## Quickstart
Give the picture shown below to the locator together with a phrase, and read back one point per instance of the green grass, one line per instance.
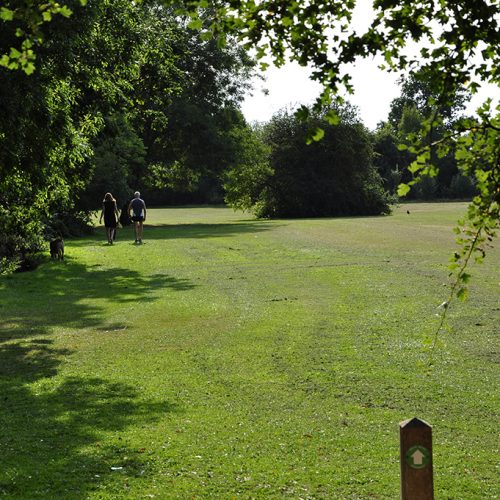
(234, 358)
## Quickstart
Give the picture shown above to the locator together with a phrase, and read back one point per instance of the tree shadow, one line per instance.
(50, 439)
(202, 230)
(54, 431)
(34, 302)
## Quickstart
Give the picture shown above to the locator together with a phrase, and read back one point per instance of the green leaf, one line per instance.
(414, 167)
(221, 41)
(462, 293)
(196, 24)
(403, 189)
(302, 113)
(206, 36)
(6, 14)
(332, 117)
(316, 134)
(29, 68)
(465, 278)
(65, 11)
(14, 53)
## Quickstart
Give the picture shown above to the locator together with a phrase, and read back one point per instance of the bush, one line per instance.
(21, 236)
(332, 177)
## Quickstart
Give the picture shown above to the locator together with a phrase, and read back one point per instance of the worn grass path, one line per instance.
(234, 358)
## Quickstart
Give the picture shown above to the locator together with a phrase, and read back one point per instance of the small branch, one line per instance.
(446, 305)
(490, 125)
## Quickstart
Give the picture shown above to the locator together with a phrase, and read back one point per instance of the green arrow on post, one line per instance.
(418, 457)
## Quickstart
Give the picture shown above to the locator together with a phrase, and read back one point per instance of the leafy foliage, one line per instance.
(118, 153)
(395, 141)
(332, 175)
(53, 115)
(387, 158)
(187, 130)
(458, 46)
(246, 182)
(26, 20)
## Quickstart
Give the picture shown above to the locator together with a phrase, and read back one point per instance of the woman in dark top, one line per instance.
(110, 213)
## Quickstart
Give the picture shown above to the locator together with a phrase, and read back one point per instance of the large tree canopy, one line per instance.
(332, 177)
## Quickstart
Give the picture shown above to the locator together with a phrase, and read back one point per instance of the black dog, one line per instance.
(57, 249)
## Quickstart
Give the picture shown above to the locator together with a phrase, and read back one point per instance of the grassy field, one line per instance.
(229, 357)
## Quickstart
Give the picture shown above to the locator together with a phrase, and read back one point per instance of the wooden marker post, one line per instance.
(416, 460)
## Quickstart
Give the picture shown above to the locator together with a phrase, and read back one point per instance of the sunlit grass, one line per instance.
(231, 357)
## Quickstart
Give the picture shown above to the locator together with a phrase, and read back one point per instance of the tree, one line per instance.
(416, 92)
(332, 177)
(28, 21)
(118, 152)
(52, 116)
(406, 117)
(187, 132)
(246, 181)
(387, 158)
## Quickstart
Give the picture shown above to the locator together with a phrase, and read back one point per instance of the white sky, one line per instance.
(373, 89)
(290, 85)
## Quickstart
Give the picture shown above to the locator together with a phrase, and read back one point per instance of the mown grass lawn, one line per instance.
(229, 357)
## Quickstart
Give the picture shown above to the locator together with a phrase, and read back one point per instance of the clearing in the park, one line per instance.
(229, 357)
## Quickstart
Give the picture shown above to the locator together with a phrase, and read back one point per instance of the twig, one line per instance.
(446, 305)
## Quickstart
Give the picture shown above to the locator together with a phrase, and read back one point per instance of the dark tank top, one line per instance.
(109, 213)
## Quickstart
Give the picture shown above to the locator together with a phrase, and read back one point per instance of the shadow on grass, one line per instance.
(32, 303)
(60, 437)
(185, 230)
(194, 231)
(50, 439)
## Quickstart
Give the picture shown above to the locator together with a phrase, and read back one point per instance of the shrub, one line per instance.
(332, 177)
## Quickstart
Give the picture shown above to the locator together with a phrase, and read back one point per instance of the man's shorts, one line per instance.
(137, 218)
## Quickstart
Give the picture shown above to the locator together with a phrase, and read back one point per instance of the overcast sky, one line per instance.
(290, 86)
(374, 89)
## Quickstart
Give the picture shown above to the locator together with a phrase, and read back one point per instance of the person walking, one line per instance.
(124, 219)
(110, 213)
(138, 215)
